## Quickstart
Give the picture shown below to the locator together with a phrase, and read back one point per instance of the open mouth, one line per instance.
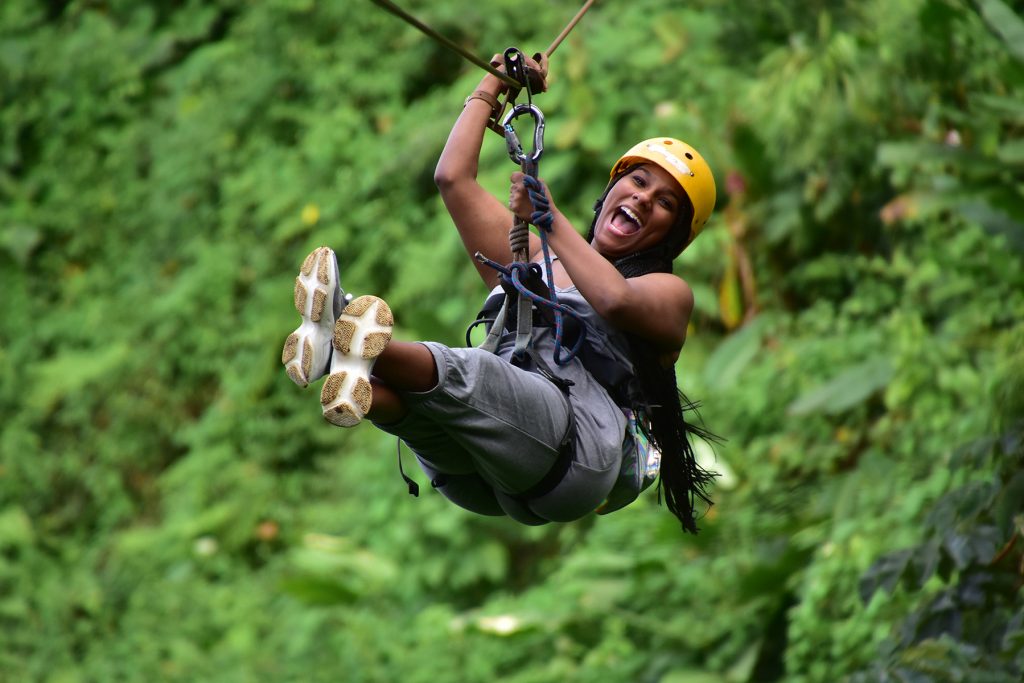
(625, 222)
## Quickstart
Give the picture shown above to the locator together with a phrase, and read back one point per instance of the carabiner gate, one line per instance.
(515, 148)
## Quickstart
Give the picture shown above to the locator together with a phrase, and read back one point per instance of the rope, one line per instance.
(541, 216)
(469, 56)
(565, 31)
(518, 271)
(519, 239)
(454, 47)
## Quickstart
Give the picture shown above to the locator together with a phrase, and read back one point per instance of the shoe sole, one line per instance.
(361, 334)
(307, 350)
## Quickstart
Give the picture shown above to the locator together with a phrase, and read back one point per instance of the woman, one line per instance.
(498, 437)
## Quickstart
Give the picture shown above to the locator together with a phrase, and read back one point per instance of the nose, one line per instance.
(642, 196)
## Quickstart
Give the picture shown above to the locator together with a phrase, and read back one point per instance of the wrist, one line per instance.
(557, 216)
(485, 96)
(492, 84)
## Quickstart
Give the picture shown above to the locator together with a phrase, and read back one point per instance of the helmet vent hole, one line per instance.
(689, 156)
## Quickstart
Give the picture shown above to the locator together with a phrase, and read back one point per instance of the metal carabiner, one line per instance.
(515, 148)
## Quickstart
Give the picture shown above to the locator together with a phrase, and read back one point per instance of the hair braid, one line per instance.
(682, 479)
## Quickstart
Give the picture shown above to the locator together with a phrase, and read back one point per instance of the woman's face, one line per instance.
(638, 212)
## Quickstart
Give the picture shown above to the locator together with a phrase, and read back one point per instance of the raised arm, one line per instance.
(482, 220)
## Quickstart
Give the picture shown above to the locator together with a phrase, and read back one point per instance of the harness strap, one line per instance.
(502, 319)
(440, 479)
(497, 328)
(414, 488)
(566, 449)
(524, 326)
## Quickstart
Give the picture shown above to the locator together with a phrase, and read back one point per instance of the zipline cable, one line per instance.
(465, 54)
(451, 45)
(568, 27)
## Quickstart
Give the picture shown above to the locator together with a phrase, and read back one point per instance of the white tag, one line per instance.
(671, 158)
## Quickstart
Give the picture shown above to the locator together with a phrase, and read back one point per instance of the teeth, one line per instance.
(630, 215)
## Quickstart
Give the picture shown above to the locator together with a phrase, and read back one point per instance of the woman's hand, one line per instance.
(519, 201)
(536, 70)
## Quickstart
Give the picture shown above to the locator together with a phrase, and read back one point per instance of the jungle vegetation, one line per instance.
(173, 508)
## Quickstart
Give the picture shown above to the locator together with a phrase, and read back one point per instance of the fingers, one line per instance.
(539, 61)
(518, 199)
(537, 72)
(536, 69)
(521, 200)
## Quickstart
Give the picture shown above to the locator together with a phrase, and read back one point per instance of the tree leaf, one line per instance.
(885, 573)
(15, 528)
(730, 301)
(315, 590)
(1005, 23)
(727, 362)
(851, 386)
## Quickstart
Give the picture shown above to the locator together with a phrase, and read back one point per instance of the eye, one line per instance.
(639, 180)
(667, 203)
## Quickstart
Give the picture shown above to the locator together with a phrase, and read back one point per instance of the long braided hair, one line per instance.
(682, 481)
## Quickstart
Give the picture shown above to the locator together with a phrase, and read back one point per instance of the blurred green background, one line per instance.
(172, 508)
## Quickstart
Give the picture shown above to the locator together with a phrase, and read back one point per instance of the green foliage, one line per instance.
(962, 578)
(173, 508)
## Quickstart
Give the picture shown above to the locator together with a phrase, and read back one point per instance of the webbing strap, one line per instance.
(414, 488)
(567, 447)
(497, 329)
(522, 281)
(524, 325)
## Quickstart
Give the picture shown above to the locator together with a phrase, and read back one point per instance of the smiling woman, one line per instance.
(675, 172)
(503, 433)
(639, 213)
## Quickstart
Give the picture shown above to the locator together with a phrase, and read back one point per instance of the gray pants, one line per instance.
(492, 429)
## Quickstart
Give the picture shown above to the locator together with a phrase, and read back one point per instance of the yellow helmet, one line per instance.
(684, 164)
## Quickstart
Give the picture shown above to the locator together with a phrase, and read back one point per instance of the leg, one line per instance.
(402, 366)
(362, 344)
(387, 405)
(347, 344)
(509, 421)
(468, 491)
(406, 366)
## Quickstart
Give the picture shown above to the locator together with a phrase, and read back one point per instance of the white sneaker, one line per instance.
(319, 300)
(362, 332)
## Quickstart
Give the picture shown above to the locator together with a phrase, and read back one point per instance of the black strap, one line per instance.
(439, 480)
(414, 488)
(542, 318)
(566, 449)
